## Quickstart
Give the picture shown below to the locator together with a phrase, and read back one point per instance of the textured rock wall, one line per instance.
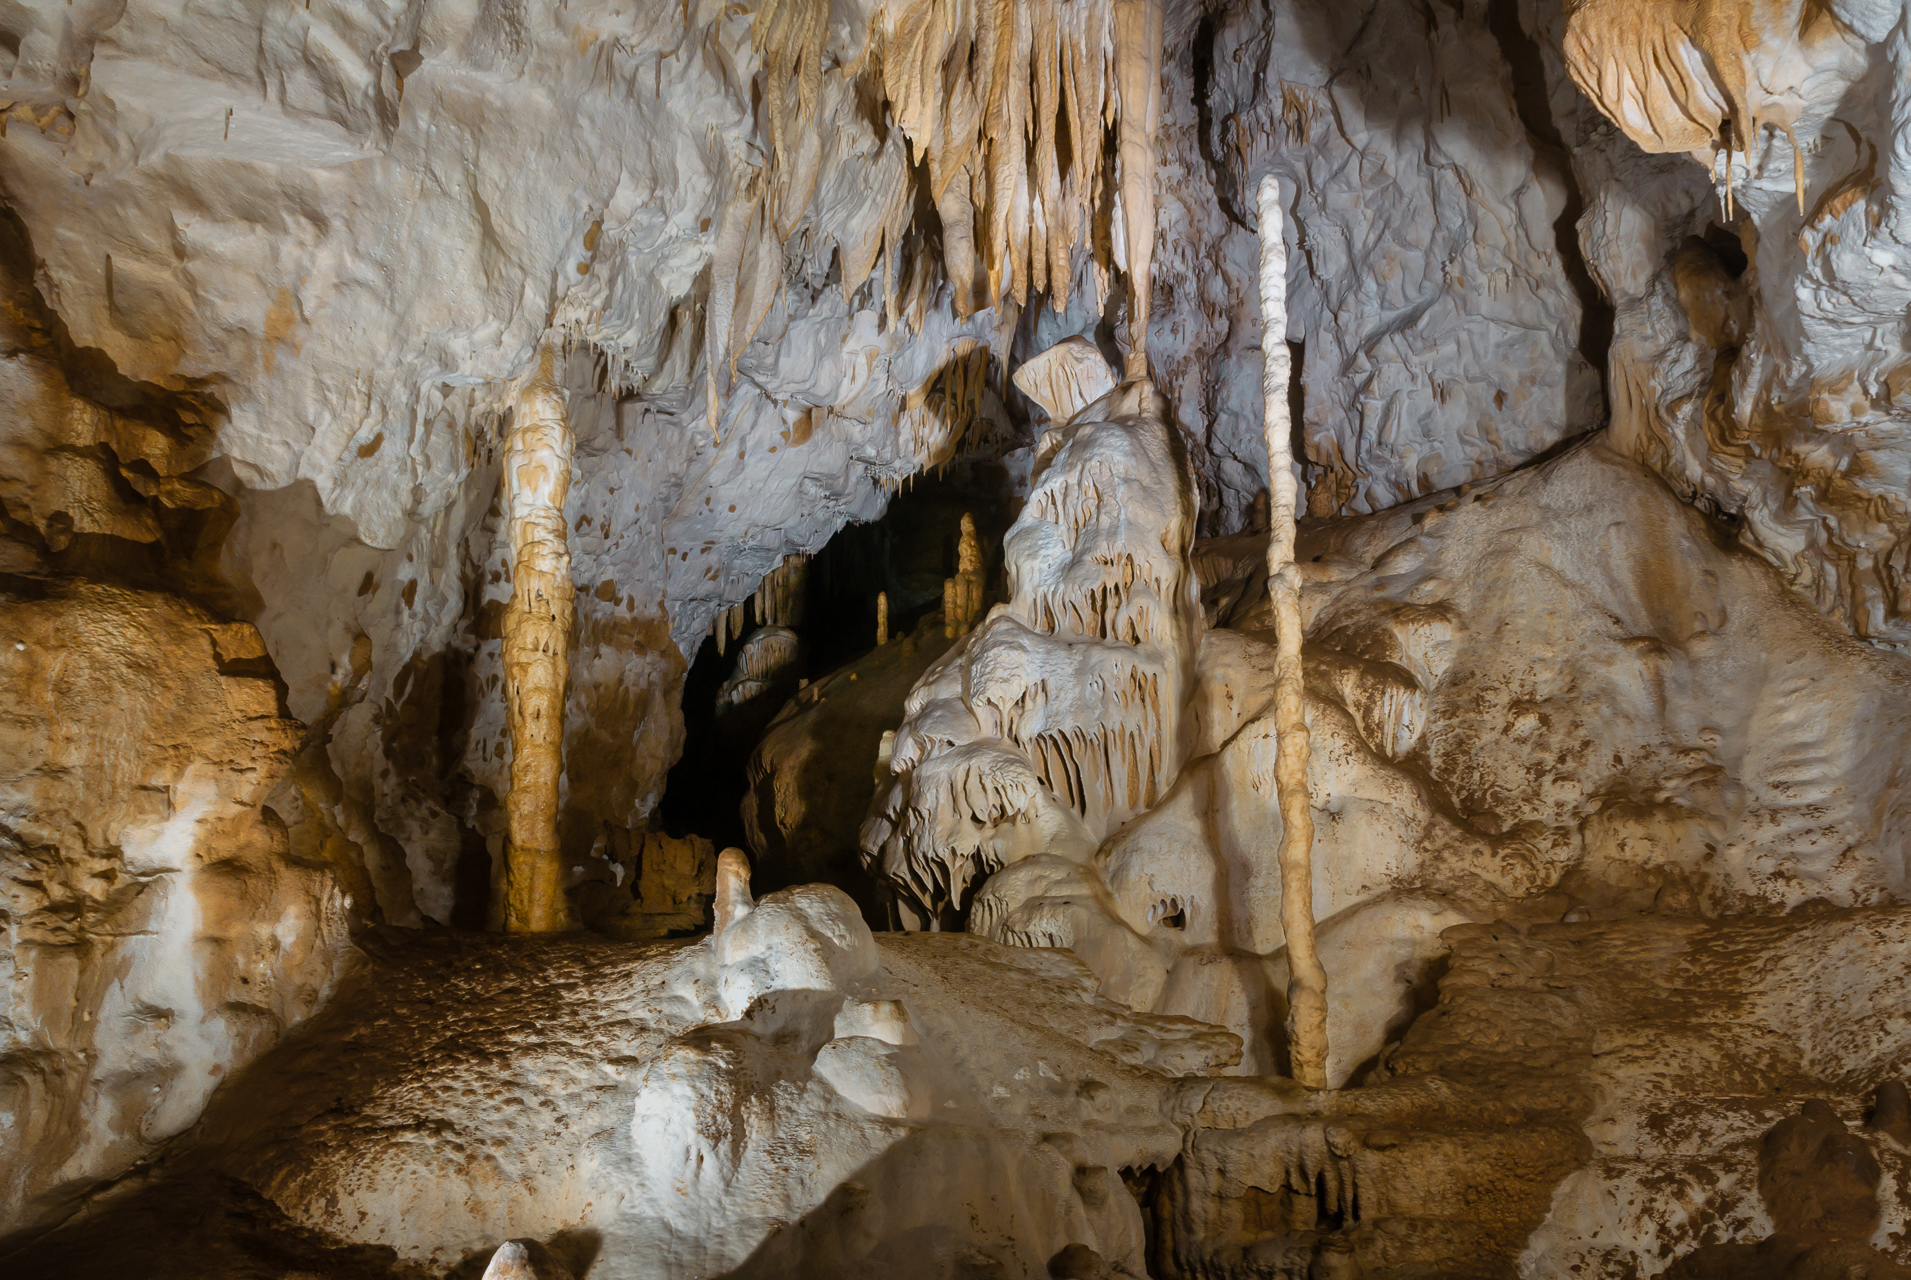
(1436, 305)
(1758, 351)
(346, 229)
(158, 926)
(177, 884)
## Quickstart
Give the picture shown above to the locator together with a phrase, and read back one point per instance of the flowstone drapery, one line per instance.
(1062, 715)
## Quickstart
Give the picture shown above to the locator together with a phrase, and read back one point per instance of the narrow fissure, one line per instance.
(1526, 66)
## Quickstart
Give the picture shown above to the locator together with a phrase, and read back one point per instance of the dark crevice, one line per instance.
(1224, 186)
(1530, 98)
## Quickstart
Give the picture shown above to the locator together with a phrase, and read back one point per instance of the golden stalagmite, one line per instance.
(962, 594)
(537, 639)
(733, 901)
(1138, 37)
(1307, 979)
(882, 618)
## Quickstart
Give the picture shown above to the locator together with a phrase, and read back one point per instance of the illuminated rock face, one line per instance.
(346, 234)
(1061, 716)
(1610, 828)
(1760, 285)
(786, 1094)
(169, 913)
(1557, 684)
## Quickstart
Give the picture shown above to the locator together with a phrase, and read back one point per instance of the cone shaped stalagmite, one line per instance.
(1307, 980)
(962, 595)
(537, 638)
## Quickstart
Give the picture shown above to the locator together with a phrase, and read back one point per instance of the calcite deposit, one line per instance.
(952, 641)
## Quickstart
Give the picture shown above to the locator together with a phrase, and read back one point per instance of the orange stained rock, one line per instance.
(537, 638)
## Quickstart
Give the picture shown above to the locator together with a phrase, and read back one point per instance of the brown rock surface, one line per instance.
(158, 931)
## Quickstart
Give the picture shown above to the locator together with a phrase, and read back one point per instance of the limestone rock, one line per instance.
(160, 931)
(814, 774)
(1060, 717)
(649, 1099)
(1066, 378)
(524, 1260)
(661, 887)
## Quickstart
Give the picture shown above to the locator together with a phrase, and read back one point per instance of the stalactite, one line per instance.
(780, 595)
(766, 659)
(986, 95)
(1307, 980)
(1138, 39)
(537, 638)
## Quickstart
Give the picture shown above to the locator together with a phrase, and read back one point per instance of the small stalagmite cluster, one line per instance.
(963, 595)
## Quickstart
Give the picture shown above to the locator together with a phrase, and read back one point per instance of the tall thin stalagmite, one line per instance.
(537, 637)
(1307, 980)
(1138, 37)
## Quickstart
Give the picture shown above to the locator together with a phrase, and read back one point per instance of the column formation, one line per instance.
(537, 639)
(1307, 980)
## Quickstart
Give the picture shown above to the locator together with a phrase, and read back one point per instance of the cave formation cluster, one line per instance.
(955, 639)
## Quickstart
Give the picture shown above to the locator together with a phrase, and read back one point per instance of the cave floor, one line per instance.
(1578, 1087)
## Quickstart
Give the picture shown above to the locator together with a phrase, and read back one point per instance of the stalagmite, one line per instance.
(882, 618)
(1138, 38)
(962, 594)
(733, 889)
(1307, 980)
(537, 637)
(1064, 713)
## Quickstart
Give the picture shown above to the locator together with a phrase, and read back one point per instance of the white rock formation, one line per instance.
(270, 277)
(355, 306)
(1760, 291)
(1560, 681)
(1061, 717)
(785, 1094)
(1066, 378)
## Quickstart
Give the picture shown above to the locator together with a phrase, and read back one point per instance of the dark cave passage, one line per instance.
(908, 554)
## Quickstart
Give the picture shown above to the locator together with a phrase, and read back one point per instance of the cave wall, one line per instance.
(278, 270)
(170, 909)
(346, 228)
(1437, 296)
(1758, 355)
(175, 891)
